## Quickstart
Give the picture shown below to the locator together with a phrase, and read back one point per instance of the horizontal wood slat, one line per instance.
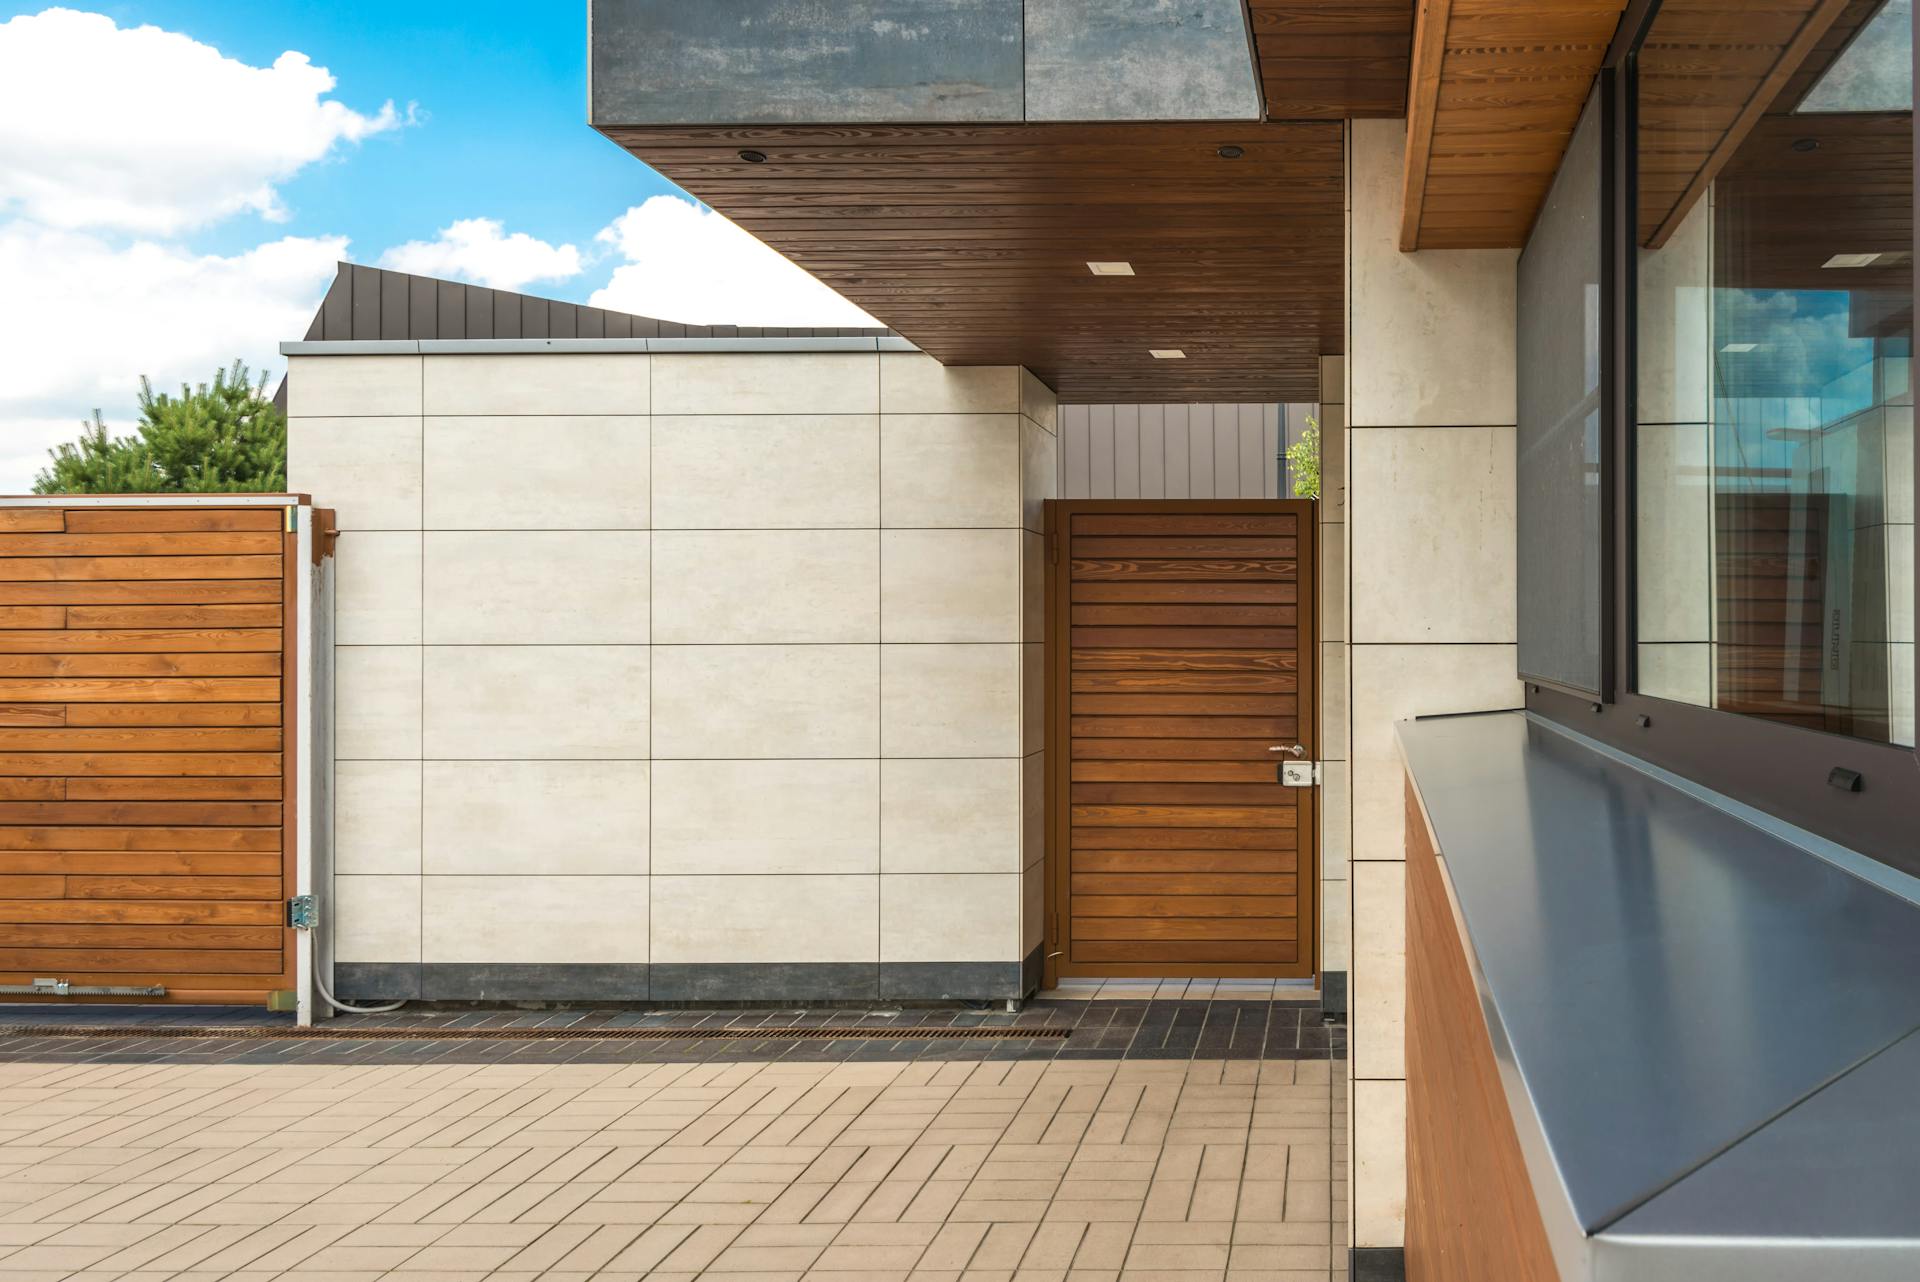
(143, 912)
(45, 641)
(65, 569)
(1186, 631)
(140, 665)
(192, 520)
(144, 863)
(115, 545)
(184, 689)
(140, 763)
(159, 592)
(143, 658)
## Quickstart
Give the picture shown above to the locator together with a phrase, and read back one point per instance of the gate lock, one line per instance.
(1297, 773)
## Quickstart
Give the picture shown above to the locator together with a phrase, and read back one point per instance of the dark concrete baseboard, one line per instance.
(1378, 1264)
(765, 981)
(1333, 992)
(501, 981)
(686, 982)
(376, 981)
(951, 981)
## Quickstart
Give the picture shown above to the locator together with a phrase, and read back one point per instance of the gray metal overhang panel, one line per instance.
(1667, 977)
(1830, 1190)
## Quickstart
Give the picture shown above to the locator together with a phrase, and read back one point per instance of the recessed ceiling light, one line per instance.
(1110, 269)
(1851, 260)
(753, 157)
(1231, 152)
(1166, 353)
(1739, 347)
(1806, 144)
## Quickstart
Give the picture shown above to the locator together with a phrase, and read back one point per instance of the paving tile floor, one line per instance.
(1055, 1170)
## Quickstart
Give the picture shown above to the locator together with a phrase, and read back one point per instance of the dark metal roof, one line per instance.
(372, 303)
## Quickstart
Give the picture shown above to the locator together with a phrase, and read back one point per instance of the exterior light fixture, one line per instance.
(1852, 260)
(1231, 152)
(1110, 269)
(1166, 353)
(753, 157)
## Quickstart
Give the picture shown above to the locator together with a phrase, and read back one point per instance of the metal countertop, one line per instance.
(1669, 988)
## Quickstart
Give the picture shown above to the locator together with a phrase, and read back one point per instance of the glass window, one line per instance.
(1558, 341)
(1774, 499)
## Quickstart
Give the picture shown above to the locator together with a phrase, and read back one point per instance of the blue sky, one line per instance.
(178, 179)
(500, 90)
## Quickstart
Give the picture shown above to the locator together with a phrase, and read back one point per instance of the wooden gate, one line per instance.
(146, 786)
(1181, 643)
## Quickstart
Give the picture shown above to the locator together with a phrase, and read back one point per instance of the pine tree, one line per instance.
(225, 437)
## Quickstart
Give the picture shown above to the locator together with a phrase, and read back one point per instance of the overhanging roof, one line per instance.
(974, 242)
(953, 166)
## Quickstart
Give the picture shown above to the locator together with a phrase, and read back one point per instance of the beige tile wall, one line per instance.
(1429, 538)
(685, 657)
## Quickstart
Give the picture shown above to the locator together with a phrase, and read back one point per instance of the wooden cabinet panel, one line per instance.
(1471, 1215)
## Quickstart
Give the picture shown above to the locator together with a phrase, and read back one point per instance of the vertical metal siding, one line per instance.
(1177, 451)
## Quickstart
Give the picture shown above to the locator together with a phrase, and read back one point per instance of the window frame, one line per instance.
(1774, 767)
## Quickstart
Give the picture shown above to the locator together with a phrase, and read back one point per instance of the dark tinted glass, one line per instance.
(1774, 442)
(1559, 426)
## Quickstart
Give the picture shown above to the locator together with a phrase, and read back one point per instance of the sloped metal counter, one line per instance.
(1704, 1028)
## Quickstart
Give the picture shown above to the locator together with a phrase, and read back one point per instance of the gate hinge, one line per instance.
(303, 912)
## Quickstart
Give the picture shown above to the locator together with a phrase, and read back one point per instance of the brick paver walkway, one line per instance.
(938, 1171)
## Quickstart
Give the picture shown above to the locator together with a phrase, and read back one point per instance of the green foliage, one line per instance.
(223, 437)
(1304, 456)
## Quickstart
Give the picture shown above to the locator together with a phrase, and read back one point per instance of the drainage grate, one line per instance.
(351, 1033)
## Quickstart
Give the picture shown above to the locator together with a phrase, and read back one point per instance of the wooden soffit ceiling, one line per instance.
(1333, 59)
(973, 241)
(1495, 91)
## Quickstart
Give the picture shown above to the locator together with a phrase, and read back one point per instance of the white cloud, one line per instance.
(24, 444)
(476, 249)
(688, 264)
(151, 131)
(85, 318)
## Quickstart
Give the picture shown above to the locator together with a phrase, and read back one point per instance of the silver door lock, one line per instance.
(1299, 774)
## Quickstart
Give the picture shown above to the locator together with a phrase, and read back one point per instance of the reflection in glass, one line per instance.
(1559, 423)
(1774, 495)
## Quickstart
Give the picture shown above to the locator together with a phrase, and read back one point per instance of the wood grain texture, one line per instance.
(1497, 89)
(1332, 58)
(143, 790)
(973, 241)
(1176, 849)
(1470, 1209)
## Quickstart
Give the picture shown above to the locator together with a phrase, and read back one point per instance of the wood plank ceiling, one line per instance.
(1332, 59)
(1496, 89)
(973, 241)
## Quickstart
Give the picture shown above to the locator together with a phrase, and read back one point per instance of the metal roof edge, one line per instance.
(584, 346)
